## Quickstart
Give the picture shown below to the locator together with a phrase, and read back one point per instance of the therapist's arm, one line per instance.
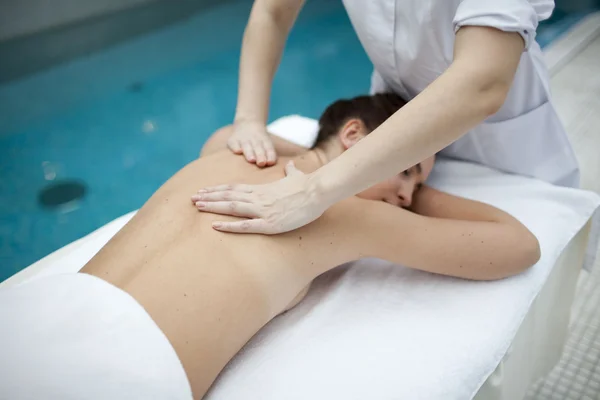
(471, 89)
(451, 236)
(264, 39)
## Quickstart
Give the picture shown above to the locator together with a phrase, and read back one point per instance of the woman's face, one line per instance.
(399, 190)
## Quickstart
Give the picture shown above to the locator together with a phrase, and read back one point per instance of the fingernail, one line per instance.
(216, 225)
(201, 191)
(200, 204)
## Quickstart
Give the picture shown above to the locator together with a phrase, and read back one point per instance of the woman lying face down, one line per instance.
(168, 301)
(345, 122)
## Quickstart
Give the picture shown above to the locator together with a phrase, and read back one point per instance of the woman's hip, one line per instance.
(73, 336)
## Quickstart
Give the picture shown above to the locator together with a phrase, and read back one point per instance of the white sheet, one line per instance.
(381, 331)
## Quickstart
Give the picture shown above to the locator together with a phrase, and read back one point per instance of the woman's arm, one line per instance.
(455, 236)
(431, 202)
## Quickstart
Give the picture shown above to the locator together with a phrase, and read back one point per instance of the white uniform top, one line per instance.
(411, 42)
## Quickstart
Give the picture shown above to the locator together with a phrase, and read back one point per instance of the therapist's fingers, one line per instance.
(248, 151)
(226, 195)
(290, 169)
(259, 151)
(227, 187)
(271, 154)
(235, 208)
(234, 145)
(246, 226)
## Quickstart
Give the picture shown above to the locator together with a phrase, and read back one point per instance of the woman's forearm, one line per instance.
(431, 202)
(473, 88)
(264, 39)
(456, 237)
(477, 250)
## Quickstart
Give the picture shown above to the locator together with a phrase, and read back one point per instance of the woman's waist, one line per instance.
(210, 309)
(251, 267)
(270, 267)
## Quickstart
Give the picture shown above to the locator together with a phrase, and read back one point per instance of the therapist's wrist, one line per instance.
(249, 118)
(321, 190)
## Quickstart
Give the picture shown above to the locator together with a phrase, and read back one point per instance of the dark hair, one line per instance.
(371, 110)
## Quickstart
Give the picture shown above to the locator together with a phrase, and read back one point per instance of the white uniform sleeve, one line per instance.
(378, 85)
(520, 16)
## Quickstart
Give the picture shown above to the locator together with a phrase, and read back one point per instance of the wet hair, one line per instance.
(372, 110)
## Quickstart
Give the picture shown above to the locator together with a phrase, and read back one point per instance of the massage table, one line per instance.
(370, 329)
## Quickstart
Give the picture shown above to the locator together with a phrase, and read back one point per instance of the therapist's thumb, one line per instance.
(290, 169)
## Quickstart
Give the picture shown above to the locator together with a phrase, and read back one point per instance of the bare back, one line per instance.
(208, 291)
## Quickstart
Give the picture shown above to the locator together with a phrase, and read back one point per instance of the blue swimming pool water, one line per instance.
(124, 120)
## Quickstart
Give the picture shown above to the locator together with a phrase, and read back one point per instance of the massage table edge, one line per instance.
(538, 343)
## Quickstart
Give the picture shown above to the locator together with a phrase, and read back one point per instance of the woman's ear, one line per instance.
(352, 131)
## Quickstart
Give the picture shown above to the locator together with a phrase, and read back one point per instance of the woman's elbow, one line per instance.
(529, 250)
(525, 253)
(521, 253)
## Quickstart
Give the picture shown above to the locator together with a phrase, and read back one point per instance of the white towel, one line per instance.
(296, 129)
(74, 336)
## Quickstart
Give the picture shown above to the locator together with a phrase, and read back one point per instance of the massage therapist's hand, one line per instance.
(251, 139)
(272, 208)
